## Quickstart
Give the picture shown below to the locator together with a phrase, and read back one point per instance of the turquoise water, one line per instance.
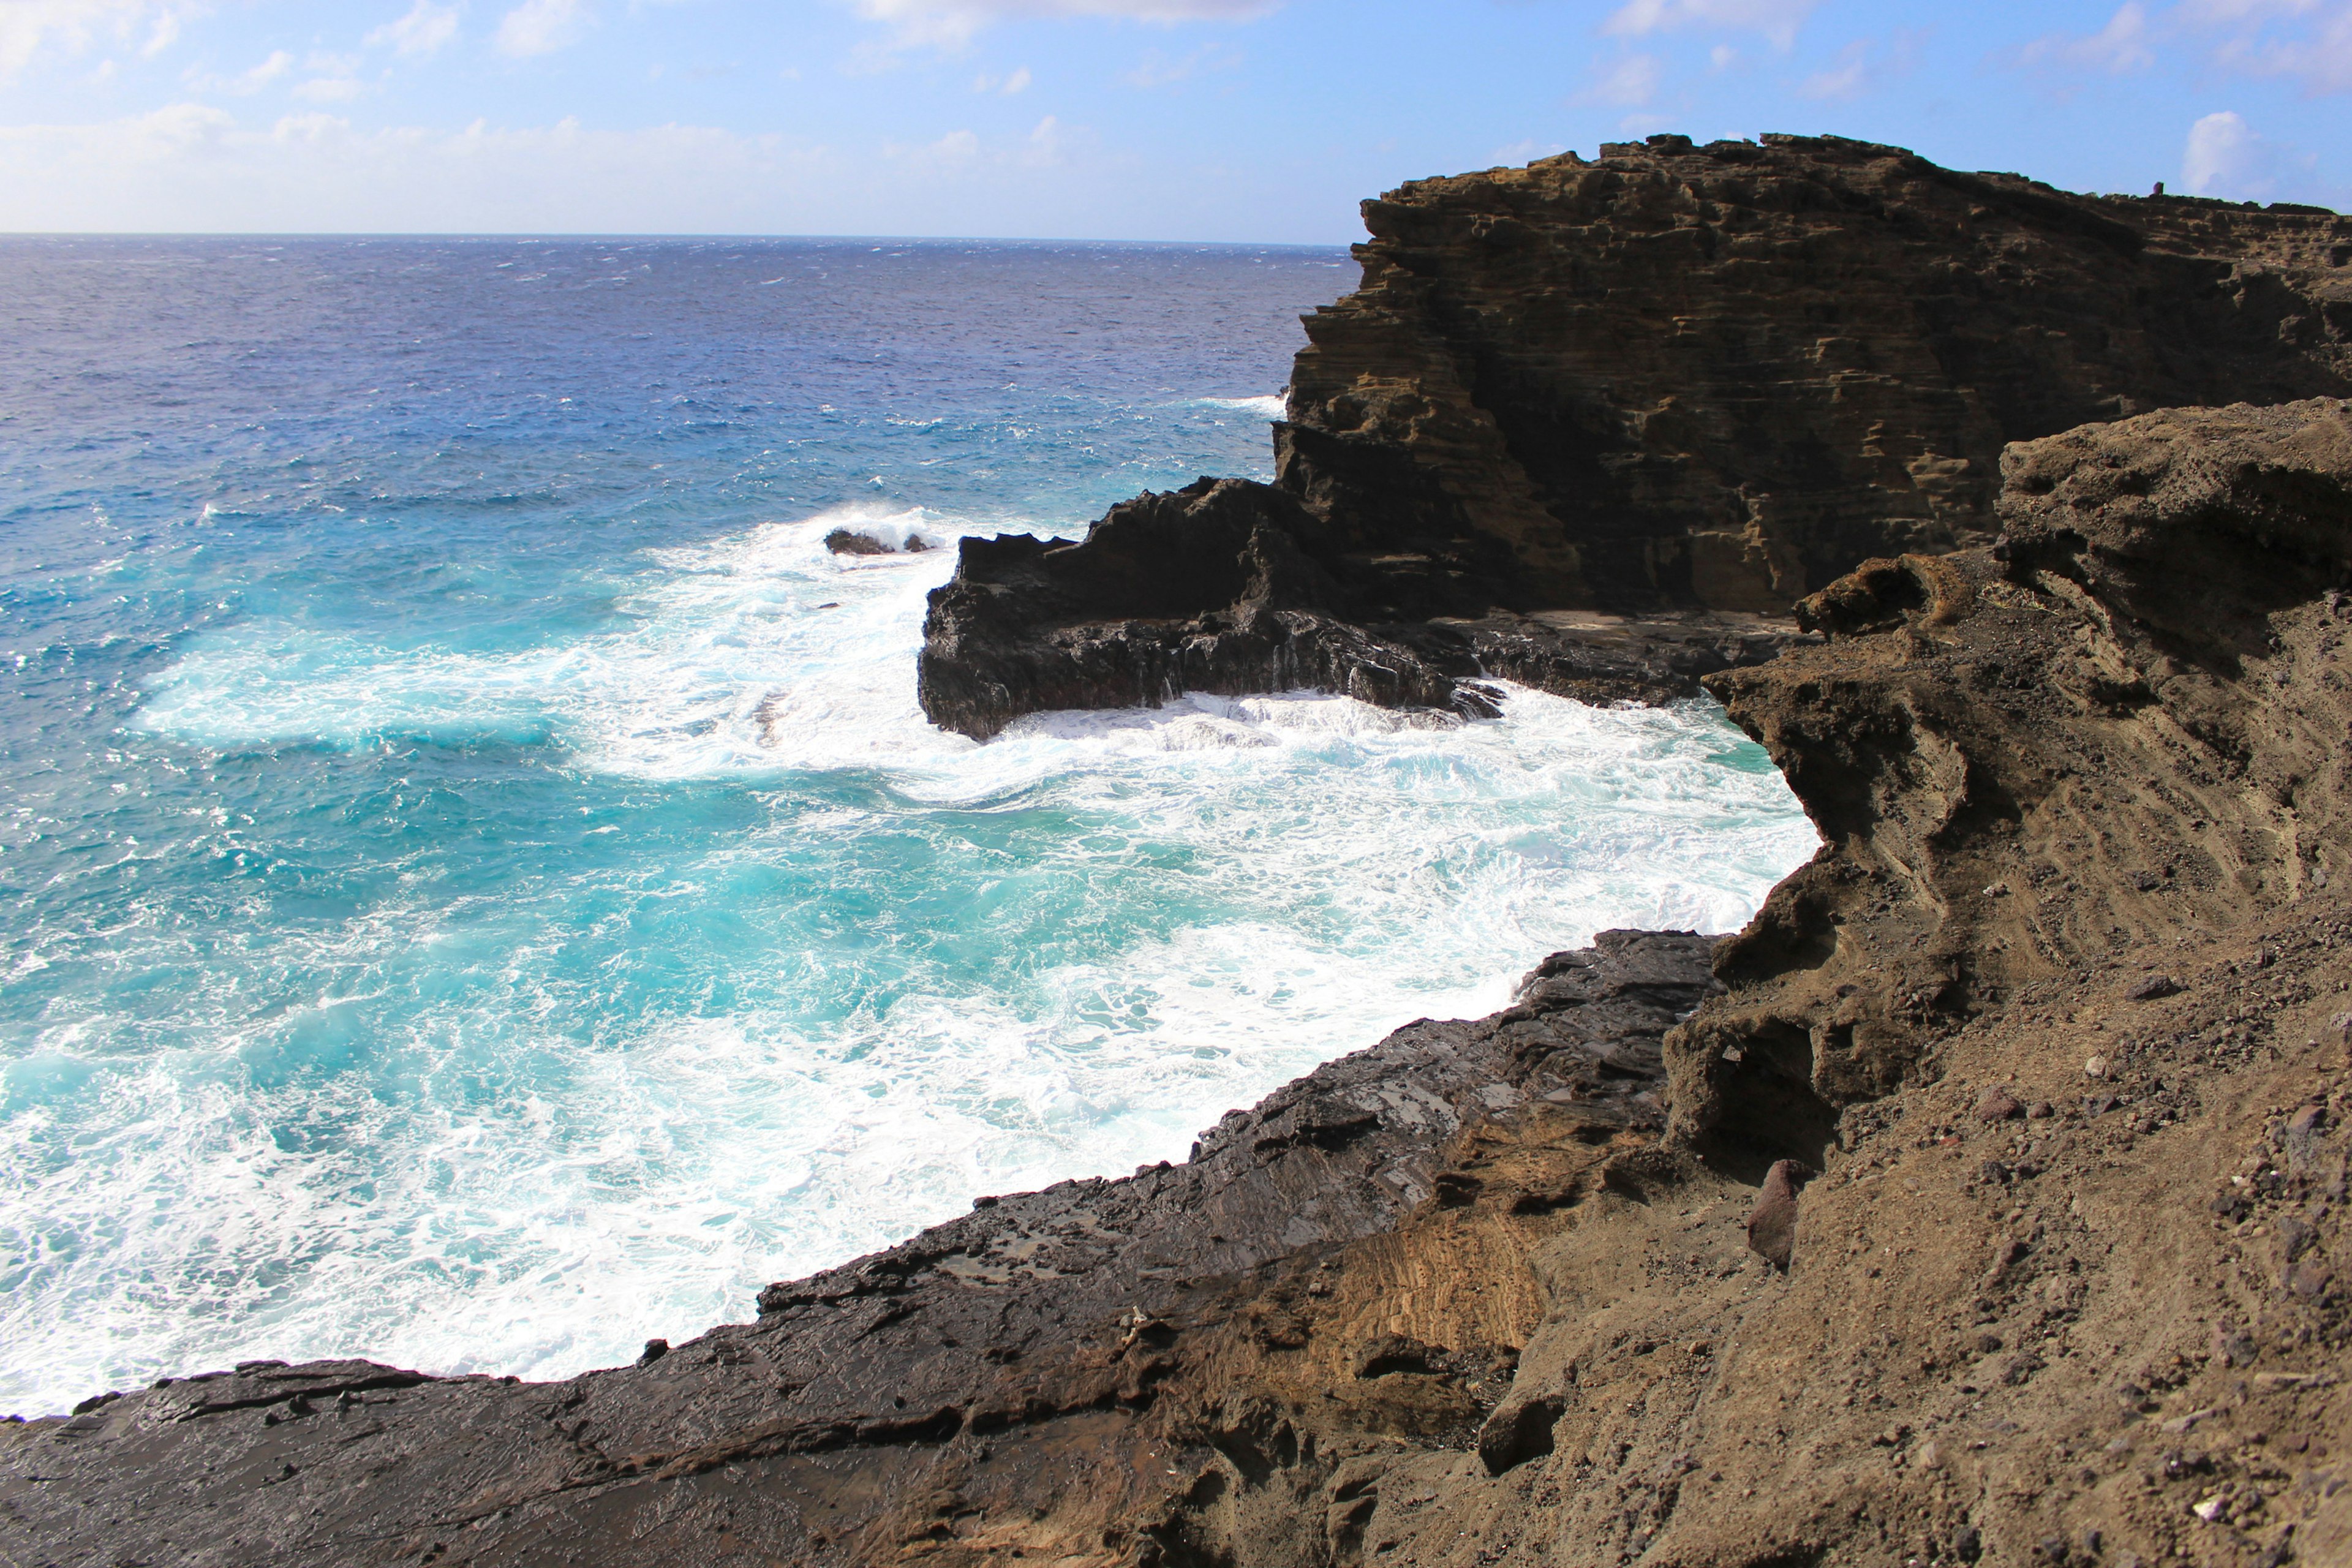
(485, 894)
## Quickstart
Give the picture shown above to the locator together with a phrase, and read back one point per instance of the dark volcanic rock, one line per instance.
(1724, 375)
(1228, 586)
(1695, 382)
(876, 1403)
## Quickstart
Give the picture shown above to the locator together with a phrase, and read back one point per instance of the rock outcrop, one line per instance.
(1073, 1375)
(1594, 427)
(1724, 375)
(1223, 587)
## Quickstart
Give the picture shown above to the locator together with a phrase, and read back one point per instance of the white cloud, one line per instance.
(2123, 45)
(1157, 69)
(194, 167)
(27, 27)
(1862, 66)
(1018, 82)
(245, 83)
(2256, 42)
(541, 26)
(1631, 83)
(1045, 149)
(950, 24)
(340, 88)
(1777, 20)
(2224, 158)
(421, 31)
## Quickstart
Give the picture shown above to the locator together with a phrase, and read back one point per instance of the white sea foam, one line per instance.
(1271, 407)
(485, 1142)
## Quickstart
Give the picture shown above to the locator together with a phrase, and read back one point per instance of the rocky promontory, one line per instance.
(1596, 427)
(1983, 1201)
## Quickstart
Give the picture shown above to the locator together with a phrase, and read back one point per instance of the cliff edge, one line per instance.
(1597, 426)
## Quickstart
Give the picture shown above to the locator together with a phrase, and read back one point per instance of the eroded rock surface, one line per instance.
(1070, 1372)
(1724, 375)
(1681, 381)
(1226, 586)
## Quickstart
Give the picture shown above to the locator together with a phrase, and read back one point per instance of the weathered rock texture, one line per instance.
(2062, 1016)
(1100, 1372)
(1724, 375)
(1695, 382)
(1226, 586)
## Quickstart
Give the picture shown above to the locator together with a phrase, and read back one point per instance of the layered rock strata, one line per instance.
(2061, 1014)
(1724, 375)
(1680, 382)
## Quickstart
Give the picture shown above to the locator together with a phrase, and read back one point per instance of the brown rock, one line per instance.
(1772, 1224)
(1724, 375)
(1997, 1104)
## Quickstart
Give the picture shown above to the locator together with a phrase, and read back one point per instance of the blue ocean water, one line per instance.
(481, 891)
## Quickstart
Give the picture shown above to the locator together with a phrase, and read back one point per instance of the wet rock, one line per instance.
(847, 541)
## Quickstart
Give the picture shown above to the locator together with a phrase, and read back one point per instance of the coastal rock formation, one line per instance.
(1596, 427)
(1068, 1373)
(2122, 725)
(1218, 587)
(2058, 1023)
(1724, 375)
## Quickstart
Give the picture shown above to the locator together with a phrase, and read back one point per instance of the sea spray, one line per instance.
(489, 894)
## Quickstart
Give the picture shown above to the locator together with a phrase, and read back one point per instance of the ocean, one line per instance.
(482, 892)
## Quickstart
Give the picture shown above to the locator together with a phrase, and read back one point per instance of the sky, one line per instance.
(1244, 121)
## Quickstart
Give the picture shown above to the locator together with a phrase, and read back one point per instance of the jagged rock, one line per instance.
(1227, 586)
(1724, 375)
(1108, 1314)
(1683, 386)
(2155, 628)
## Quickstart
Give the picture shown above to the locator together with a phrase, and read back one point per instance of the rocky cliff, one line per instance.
(1592, 426)
(1983, 1201)
(1985, 1205)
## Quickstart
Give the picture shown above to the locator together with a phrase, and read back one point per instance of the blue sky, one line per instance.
(1201, 120)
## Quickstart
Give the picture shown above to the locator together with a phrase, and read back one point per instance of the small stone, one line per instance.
(1997, 1104)
(2096, 1067)
(2209, 1509)
(2041, 1111)
(655, 1350)
(2156, 987)
(1772, 1225)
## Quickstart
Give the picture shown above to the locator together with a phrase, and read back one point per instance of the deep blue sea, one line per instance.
(481, 892)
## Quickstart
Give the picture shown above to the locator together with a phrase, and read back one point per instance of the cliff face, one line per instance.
(1724, 375)
(1682, 386)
